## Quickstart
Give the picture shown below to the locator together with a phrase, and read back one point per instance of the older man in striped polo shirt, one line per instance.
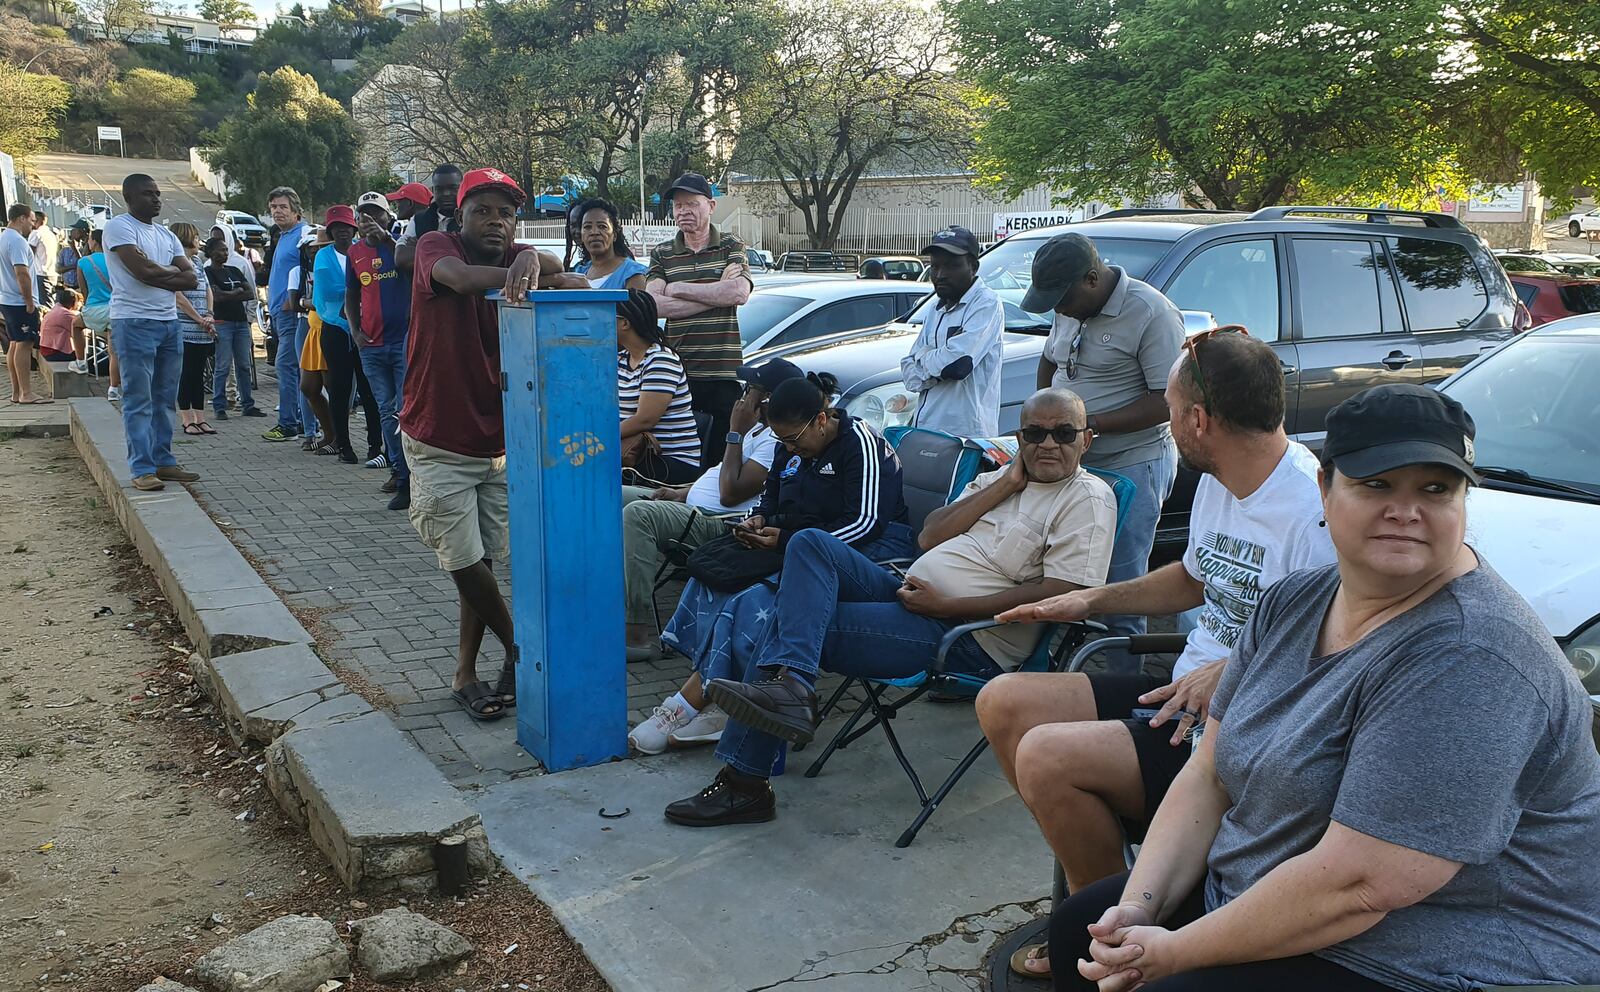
(699, 279)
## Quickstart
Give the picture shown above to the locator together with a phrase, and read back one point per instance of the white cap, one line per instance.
(370, 198)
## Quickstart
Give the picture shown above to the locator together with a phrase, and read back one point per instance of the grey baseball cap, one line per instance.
(1057, 267)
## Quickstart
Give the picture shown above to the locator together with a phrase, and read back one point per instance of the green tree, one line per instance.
(228, 13)
(156, 110)
(117, 20)
(290, 134)
(31, 107)
(1243, 101)
(850, 88)
(1533, 72)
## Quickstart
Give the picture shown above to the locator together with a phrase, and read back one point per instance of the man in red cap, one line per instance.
(440, 216)
(407, 201)
(451, 427)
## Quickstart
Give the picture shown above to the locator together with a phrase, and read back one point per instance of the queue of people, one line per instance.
(1370, 770)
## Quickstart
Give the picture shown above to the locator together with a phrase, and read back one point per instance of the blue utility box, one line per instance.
(558, 355)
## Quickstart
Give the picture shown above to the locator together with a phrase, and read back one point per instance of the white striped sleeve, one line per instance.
(867, 518)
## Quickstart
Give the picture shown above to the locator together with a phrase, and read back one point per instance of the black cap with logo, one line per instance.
(1059, 265)
(691, 182)
(770, 374)
(956, 240)
(1392, 426)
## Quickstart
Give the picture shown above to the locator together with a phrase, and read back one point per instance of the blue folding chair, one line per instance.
(1057, 644)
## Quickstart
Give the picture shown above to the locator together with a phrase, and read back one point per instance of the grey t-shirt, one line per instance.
(1456, 729)
(131, 298)
(1124, 352)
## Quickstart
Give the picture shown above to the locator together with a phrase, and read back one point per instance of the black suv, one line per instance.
(1348, 298)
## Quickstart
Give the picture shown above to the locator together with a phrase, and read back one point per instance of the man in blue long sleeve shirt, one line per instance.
(288, 323)
(956, 360)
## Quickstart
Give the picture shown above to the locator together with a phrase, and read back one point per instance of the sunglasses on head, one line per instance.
(1063, 435)
(1192, 346)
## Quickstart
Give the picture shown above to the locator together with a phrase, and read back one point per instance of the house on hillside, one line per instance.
(197, 35)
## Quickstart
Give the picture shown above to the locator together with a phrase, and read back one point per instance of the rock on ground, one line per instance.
(165, 985)
(398, 944)
(289, 954)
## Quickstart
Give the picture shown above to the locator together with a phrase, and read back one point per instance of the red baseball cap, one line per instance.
(340, 213)
(481, 179)
(415, 192)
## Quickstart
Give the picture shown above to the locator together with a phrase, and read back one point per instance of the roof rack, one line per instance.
(1155, 212)
(1373, 215)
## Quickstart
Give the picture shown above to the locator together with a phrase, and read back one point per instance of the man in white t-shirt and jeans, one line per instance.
(148, 268)
(1081, 760)
(650, 519)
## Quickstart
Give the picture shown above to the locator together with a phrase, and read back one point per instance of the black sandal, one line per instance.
(506, 685)
(480, 702)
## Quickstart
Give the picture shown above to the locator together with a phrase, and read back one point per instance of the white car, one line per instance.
(1582, 223)
(247, 226)
(97, 214)
(787, 313)
(1537, 514)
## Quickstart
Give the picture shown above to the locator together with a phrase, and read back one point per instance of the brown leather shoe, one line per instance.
(148, 483)
(177, 473)
(730, 798)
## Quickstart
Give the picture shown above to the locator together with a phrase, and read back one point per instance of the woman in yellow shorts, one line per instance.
(313, 367)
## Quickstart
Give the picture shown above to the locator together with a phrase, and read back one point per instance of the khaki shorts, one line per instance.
(459, 504)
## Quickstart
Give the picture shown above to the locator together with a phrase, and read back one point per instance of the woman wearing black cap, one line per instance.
(1397, 787)
(659, 439)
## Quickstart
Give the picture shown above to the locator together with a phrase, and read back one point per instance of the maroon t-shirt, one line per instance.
(452, 387)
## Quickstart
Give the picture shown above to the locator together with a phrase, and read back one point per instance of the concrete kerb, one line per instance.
(371, 801)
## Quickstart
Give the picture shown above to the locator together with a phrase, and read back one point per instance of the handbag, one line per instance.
(639, 448)
(725, 565)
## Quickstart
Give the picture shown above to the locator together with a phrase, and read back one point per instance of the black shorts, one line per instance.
(1115, 698)
(21, 326)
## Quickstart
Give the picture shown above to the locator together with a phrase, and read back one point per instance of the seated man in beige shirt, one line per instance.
(1039, 527)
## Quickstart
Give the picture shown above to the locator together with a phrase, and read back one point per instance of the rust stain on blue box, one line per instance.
(565, 475)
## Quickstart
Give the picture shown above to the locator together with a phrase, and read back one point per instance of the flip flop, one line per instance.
(477, 699)
(206, 428)
(506, 685)
(36, 401)
(193, 430)
(1035, 953)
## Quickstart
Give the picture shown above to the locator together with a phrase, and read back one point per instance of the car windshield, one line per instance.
(764, 311)
(1535, 406)
(1525, 263)
(1008, 270)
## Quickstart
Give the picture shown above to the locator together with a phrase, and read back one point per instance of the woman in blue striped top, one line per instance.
(659, 439)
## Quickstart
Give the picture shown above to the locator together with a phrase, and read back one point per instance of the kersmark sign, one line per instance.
(1008, 224)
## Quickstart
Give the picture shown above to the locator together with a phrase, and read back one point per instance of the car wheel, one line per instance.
(1574, 229)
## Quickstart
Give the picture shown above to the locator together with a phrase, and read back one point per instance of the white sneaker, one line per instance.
(113, 393)
(705, 728)
(650, 737)
(80, 367)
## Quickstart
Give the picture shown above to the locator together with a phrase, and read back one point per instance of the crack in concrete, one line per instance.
(959, 927)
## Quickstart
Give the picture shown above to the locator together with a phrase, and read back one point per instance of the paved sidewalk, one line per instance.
(320, 532)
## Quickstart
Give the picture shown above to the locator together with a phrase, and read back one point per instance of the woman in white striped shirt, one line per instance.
(659, 437)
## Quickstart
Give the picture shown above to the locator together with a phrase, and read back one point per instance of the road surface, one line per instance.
(98, 179)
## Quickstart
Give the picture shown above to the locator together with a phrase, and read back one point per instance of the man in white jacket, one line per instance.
(955, 362)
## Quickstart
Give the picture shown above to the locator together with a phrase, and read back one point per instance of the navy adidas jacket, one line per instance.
(851, 490)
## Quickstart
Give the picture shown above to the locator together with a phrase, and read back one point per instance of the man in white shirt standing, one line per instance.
(20, 302)
(148, 268)
(1071, 743)
(46, 246)
(955, 362)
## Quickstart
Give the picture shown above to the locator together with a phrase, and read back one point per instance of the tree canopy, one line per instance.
(291, 134)
(156, 111)
(31, 106)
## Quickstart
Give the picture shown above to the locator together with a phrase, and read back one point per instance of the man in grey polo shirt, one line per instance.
(1113, 342)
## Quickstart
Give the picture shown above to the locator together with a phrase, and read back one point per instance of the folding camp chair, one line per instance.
(934, 470)
(1056, 645)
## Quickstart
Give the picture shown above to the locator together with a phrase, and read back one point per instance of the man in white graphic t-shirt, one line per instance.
(1070, 743)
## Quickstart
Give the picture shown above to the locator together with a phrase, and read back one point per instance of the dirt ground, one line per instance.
(134, 835)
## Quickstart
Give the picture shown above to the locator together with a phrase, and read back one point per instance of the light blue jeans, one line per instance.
(150, 356)
(233, 351)
(385, 366)
(1130, 556)
(286, 327)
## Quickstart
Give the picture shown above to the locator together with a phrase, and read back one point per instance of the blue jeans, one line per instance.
(233, 351)
(150, 356)
(288, 327)
(837, 610)
(1130, 556)
(385, 366)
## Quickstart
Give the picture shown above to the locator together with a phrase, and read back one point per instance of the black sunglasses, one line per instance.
(1062, 435)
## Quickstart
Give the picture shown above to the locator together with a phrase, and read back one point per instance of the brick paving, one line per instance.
(321, 535)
